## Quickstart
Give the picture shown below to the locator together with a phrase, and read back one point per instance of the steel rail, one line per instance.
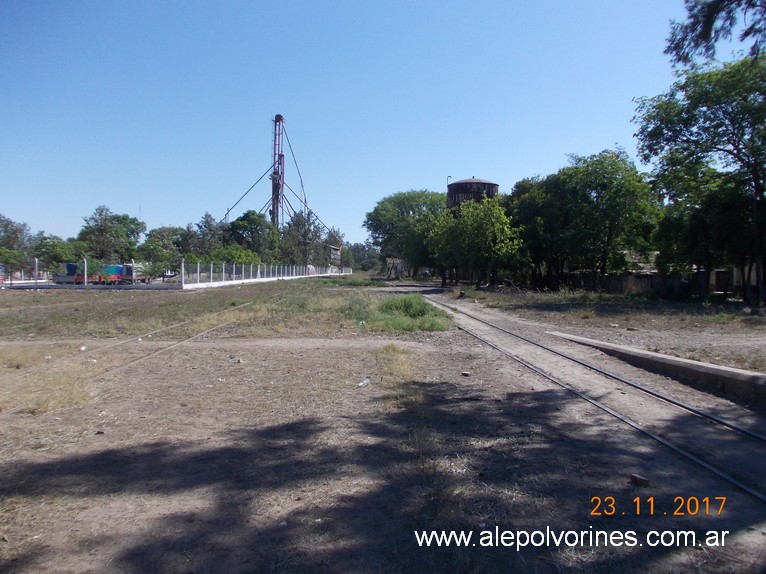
(686, 454)
(704, 414)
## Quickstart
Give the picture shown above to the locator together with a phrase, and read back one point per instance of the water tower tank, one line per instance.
(470, 189)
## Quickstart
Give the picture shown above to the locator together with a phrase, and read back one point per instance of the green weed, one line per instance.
(407, 314)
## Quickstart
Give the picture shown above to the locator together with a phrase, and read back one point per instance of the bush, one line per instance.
(407, 314)
(412, 306)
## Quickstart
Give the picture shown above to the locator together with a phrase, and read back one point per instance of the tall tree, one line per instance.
(14, 244)
(584, 217)
(162, 246)
(254, 232)
(399, 225)
(552, 216)
(364, 255)
(702, 222)
(14, 236)
(709, 21)
(717, 116)
(475, 236)
(52, 251)
(111, 237)
(301, 240)
(487, 238)
(209, 235)
(618, 207)
(444, 242)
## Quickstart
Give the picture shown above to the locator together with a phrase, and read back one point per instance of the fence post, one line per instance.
(183, 272)
(198, 275)
(35, 271)
(84, 272)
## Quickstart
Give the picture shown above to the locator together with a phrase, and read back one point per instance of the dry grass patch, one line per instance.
(39, 378)
(394, 363)
(44, 393)
(11, 514)
(22, 357)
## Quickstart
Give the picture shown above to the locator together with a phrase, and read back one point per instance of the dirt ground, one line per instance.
(233, 454)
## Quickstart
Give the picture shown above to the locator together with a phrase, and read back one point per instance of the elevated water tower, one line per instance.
(472, 189)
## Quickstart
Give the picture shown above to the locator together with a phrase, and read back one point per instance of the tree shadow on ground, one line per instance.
(445, 457)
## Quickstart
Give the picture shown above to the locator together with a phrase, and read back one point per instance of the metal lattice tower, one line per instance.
(278, 175)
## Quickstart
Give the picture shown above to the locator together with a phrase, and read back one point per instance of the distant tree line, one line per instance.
(107, 237)
(700, 208)
(587, 216)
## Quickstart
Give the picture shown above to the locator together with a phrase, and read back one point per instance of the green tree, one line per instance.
(584, 217)
(188, 242)
(715, 116)
(232, 253)
(301, 242)
(363, 255)
(209, 235)
(14, 236)
(111, 237)
(347, 257)
(488, 239)
(14, 244)
(254, 232)
(52, 251)
(552, 220)
(400, 223)
(11, 259)
(709, 21)
(162, 246)
(443, 242)
(618, 210)
(476, 236)
(696, 230)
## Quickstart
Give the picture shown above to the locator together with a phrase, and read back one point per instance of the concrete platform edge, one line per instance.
(747, 385)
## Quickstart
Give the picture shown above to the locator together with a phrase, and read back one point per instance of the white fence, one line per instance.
(204, 275)
(192, 276)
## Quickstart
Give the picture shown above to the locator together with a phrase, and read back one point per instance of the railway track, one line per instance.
(726, 448)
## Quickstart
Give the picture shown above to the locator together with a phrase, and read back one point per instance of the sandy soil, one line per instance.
(326, 455)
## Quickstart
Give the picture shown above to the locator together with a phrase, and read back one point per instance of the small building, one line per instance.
(470, 189)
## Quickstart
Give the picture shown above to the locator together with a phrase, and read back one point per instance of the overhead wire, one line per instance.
(304, 200)
(300, 177)
(271, 167)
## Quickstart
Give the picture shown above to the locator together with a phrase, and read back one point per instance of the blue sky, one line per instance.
(163, 110)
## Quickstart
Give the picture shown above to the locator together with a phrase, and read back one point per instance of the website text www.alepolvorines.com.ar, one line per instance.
(520, 539)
